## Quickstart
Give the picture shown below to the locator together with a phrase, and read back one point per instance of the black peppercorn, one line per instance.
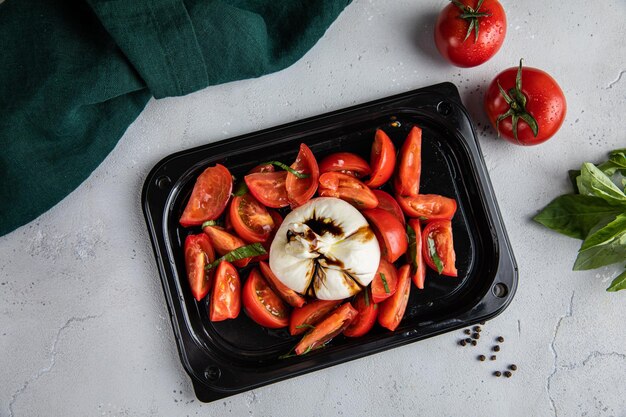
(462, 343)
(475, 336)
(496, 348)
(468, 340)
(482, 358)
(508, 374)
(493, 357)
(474, 343)
(482, 323)
(513, 367)
(467, 331)
(500, 339)
(497, 373)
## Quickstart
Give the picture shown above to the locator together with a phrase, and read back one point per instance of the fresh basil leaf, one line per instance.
(603, 247)
(594, 182)
(384, 280)
(305, 326)
(367, 297)
(287, 168)
(210, 223)
(619, 283)
(412, 247)
(432, 250)
(242, 252)
(574, 214)
(573, 177)
(241, 189)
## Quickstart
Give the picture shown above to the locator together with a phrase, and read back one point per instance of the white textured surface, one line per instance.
(84, 329)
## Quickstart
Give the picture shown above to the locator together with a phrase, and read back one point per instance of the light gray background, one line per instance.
(84, 329)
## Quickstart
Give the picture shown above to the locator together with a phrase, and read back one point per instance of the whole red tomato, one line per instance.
(525, 105)
(470, 32)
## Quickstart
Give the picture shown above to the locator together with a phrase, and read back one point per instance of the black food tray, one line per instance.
(233, 356)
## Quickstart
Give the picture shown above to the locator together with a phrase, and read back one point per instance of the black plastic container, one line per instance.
(233, 356)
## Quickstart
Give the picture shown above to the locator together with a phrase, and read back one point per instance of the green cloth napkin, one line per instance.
(75, 73)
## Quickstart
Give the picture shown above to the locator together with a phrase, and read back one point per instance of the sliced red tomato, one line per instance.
(392, 309)
(224, 242)
(428, 206)
(382, 160)
(325, 331)
(290, 296)
(300, 190)
(209, 196)
(198, 254)
(262, 168)
(250, 219)
(347, 188)
(407, 178)
(306, 317)
(278, 220)
(389, 233)
(269, 188)
(388, 203)
(226, 296)
(380, 291)
(368, 312)
(345, 162)
(262, 304)
(438, 247)
(416, 258)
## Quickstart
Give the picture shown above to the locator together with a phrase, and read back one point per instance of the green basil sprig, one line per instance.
(596, 214)
(243, 252)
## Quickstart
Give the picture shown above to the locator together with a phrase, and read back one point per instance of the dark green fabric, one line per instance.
(75, 73)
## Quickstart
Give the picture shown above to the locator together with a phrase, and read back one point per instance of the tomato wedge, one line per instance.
(428, 207)
(368, 312)
(392, 309)
(290, 296)
(250, 219)
(389, 232)
(269, 188)
(306, 317)
(380, 291)
(278, 220)
(407, 179)
(209, 196)
(388, 203)
(262, 304)
(300, 190)
(330, 327)
(262, 168)
(345, 162)
(347, 188)
(415, 255)
(438, 247)
(224, 242)
(226, 296)
(382, 160)
(198, 253)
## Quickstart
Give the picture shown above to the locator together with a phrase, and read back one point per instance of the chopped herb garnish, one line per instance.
(305, 326)
(287, 168)
(242, 252)
(210, 223)
(432, 250)
(412, 247)
(367, 297)
(241, 189)
(382, 277)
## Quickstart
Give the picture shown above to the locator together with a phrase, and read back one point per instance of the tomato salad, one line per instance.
(239, 222)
